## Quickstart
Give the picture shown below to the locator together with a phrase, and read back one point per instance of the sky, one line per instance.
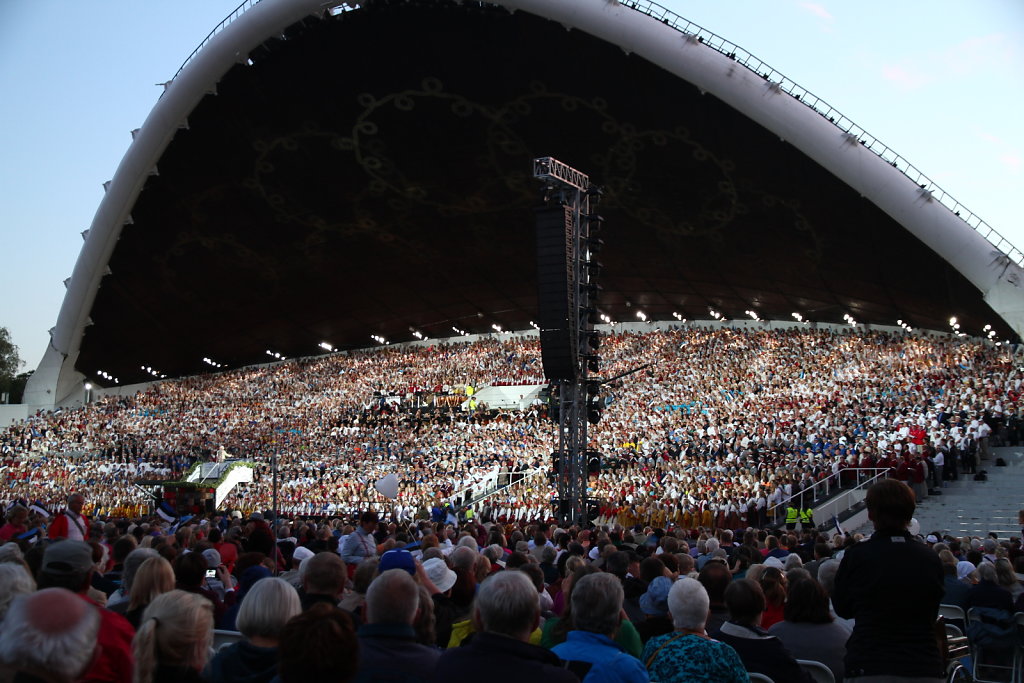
(939, 82)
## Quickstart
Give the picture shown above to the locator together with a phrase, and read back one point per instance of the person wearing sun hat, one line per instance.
(654, 605)
(437, 576)
(438, 572)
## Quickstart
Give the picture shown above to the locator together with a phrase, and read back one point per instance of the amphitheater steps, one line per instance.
(974, 508)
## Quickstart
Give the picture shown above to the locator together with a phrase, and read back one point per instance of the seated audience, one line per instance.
(270, 604)
(688, 655)
(809, 631)
(760, 651)
(174, 640)
(68, 564)
(155, 577)
(50, 636)
(388, 648)
(505, 614)
(589, 647)
(320, 645)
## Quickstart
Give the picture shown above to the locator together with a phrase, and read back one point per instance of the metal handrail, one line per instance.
(246, 4)
(827, 482)
(520, 478)
(820, 106)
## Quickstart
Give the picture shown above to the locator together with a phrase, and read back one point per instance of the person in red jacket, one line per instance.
(68, 564)
(71, 523)
(917, 438)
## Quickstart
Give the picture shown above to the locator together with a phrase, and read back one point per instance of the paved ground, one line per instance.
(974, 508)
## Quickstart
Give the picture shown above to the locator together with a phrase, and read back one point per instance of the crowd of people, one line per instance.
(295, 599)
(720, 429)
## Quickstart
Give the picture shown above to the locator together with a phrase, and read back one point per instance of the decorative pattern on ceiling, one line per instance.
(370, 175)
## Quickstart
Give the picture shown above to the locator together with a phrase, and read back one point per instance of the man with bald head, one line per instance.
(71, 523)
(388, 647)
(49, 635)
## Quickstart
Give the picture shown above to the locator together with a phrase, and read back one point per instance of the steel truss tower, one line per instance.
(569, 341)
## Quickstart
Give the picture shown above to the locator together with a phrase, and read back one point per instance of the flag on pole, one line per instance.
(31, 536)
(167, 512)
(39, 508)
(180, 521)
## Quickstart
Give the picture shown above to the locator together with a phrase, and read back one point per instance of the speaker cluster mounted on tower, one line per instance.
(568, 242)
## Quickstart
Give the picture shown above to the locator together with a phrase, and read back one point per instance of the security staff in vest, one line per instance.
(806, 519)
(792, 516)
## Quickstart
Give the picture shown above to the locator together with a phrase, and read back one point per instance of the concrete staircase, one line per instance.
(974, 508)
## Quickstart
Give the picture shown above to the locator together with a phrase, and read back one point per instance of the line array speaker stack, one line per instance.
(556, 292)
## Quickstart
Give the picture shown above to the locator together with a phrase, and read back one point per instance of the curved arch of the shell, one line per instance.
(997, 275)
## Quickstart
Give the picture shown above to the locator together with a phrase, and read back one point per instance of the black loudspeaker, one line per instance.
(556, 293)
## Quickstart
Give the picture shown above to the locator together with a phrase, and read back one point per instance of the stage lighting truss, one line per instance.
(555, 173)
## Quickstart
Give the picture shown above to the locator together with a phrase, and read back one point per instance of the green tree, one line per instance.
(10, 363)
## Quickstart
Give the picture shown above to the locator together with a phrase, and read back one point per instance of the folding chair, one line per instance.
(818, 671)
(995, 648)
(957, 650)
(954, 615)
(1018, 662)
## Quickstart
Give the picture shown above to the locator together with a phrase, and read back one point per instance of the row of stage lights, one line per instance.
(155, 373)
(990, 335)
(107, 376)
(641, 316)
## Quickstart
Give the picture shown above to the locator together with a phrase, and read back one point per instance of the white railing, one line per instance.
(515, 478)
(238, 474)
(768, 73)
(787, 85)
(824, 488)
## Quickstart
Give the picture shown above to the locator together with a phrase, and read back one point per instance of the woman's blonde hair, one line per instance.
(153, 577)
(268, 606)
(176, 629)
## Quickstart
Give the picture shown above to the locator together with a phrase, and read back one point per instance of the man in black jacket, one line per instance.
(891, 586)
(388, 648)
(505, 613)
